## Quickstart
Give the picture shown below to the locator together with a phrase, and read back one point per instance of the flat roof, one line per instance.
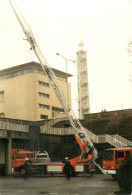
(30, 65)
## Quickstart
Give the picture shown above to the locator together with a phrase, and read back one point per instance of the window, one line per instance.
(57, 109)
(29, 155)
(43, 116)
(43, 83)
(119, 154)
(43, 106)
(40, 71)
(15, 74)
(2, 77)
(1, 92)
(8, 76)
(19, 156)
(1, 96)
(45, 95)
(2, 114)
(29, 70)
(128, 154)
(108, 155)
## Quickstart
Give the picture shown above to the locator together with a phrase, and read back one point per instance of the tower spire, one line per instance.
(82, 79)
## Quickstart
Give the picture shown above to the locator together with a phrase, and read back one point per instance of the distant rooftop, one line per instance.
(31, 65)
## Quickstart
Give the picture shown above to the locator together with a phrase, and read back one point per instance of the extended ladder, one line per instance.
(78, 129)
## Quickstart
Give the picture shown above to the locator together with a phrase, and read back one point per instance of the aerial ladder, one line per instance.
(78, 130)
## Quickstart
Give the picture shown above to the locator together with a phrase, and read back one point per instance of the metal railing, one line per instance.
(115, 140)
(14, 127)
(123, 140)
(56, 131)
(54, 121)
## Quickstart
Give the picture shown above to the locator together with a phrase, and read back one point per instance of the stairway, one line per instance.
(54, 121)
(115, 140)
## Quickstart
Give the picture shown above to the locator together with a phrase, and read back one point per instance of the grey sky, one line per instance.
(103, 25)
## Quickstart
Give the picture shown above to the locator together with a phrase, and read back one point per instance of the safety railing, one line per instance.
(56, 131)
(54, 121)
(123, 140)
(14, 127)
(113, 141)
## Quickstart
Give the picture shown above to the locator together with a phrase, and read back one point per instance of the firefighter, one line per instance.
(67, 168)
(26, 168)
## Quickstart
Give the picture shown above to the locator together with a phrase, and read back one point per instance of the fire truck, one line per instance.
(84, 162)
(113, 158)
(33, 158)
(80, 164)
(40, 163)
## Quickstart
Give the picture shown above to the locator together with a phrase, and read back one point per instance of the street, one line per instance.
(58, 185)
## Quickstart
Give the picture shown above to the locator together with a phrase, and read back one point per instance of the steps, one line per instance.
(115, 140)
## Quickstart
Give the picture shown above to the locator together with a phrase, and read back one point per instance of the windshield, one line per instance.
(20, 156)
(29, 155)
(108, 155)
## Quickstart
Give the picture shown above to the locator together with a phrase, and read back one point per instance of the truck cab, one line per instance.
(113, 158)
(18, 159)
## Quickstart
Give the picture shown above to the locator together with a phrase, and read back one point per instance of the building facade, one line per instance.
(82, 79)
(25, 93)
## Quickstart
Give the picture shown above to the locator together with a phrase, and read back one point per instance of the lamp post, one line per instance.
(66, 60)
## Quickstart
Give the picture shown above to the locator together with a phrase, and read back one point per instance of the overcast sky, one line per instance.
(105, 26)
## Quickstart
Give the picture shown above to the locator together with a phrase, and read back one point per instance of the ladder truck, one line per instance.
(79, 131)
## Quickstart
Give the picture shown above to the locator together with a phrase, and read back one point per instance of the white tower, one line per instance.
(82, 78)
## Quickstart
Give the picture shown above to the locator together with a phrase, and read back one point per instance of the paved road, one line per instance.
(96, 185)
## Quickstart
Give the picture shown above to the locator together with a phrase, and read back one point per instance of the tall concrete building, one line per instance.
(82, 79)
(25, 93)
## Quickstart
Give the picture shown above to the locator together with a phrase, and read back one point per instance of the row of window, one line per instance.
(45, 95)
(26, 71)
(42, 116)
(44, 106)
(18, 73)
(43, 83)
(1, 96)
(1, 92)
(2, 114)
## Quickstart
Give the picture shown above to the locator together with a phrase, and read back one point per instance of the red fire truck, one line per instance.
(40, 164)
(113, 158)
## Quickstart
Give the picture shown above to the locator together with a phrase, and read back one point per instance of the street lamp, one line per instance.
(66, 71)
